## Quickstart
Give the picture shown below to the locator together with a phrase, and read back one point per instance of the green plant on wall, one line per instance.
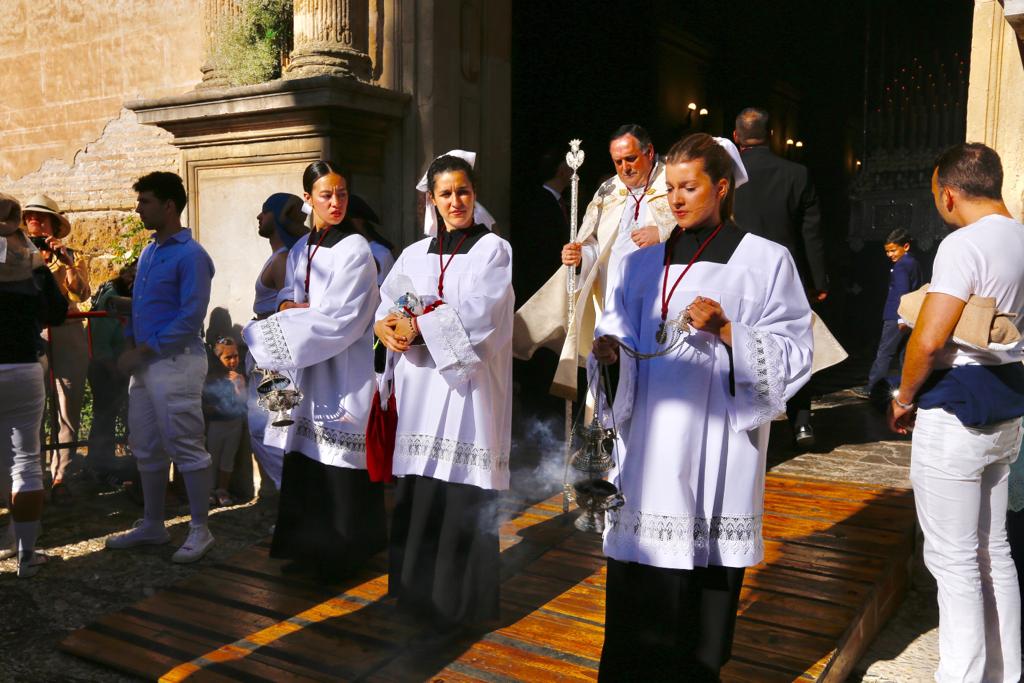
(249, 46)
(130, 241)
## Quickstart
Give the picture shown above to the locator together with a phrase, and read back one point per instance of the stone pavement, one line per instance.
(854, 445)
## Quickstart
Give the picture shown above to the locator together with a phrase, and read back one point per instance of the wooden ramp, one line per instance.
(837, 564)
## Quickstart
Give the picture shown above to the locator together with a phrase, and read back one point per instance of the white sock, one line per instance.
(154, 491)
(198, 484)
(26, 533)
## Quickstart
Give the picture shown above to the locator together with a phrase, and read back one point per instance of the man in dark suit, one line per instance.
(779, 203)
(540, 227)
(540, 222)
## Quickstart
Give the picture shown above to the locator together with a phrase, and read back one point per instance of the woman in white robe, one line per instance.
(331, 517)
(694, 422)
(454, 398)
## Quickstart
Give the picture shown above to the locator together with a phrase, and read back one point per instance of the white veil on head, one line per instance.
(739, 173)
(480, 214)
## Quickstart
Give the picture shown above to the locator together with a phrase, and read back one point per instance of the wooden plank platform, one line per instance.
(837, 564)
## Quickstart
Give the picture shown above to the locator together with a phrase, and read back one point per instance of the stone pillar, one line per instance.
(995, 96)
(215, 14)
(332, 37)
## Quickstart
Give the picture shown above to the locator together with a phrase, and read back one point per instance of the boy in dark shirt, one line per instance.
(904, 277)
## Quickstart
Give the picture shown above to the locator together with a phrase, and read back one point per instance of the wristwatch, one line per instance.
(897, 401)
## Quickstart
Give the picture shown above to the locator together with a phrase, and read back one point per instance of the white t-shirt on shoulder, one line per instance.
(985, 258)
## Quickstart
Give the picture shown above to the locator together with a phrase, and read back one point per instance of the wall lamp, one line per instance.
(694, 109)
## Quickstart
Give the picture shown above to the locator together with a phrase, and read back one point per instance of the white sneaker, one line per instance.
(141, 533)
(31, 567)
(8, 543)
(195, 546)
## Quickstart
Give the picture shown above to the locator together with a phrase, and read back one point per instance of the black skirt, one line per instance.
(668, 624)
(443, 561)
(331, 518)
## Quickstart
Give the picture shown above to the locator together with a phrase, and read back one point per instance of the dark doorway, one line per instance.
(871, 90)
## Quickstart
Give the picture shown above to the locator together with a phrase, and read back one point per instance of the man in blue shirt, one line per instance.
(904, 277)
(167, 364)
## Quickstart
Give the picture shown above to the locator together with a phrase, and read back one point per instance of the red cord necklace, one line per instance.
(661, 337)
(639, 198)
(441, 261)
(309, 256)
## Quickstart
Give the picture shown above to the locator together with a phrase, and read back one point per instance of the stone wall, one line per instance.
(67, 69)
(94, 189)
(995, 100)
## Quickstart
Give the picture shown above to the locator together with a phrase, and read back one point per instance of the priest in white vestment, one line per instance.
(694, 406)
(628, 212)
(453, 383)
(331, 517)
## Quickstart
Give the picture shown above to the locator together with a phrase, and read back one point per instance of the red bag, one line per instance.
(380, 439)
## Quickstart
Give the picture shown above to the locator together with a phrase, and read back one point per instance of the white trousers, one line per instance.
(22, 394)
(165, 414)
(959, 477)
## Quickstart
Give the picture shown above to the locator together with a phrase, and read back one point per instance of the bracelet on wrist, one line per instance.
(897, 401)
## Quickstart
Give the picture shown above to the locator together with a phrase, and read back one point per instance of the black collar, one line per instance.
(719, 250)
(335, 234)
(452, 238)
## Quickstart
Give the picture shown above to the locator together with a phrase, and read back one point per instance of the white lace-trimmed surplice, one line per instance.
(454, 392)
(326, 348)
(693, 461)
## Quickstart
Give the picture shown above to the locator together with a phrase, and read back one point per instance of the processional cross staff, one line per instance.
(670, 336)
(573, 159)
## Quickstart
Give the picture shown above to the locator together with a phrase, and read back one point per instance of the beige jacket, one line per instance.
(541, 321)
(981, 325)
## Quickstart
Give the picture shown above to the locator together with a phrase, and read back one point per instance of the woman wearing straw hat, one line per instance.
(67, 351)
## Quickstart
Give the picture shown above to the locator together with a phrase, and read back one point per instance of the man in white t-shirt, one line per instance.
(959, 473)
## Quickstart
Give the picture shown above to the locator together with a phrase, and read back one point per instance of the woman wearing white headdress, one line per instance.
(452, 366)
(331, 516)
(693, 413)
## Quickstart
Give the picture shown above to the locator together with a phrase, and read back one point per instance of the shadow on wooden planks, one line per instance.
(836, 564)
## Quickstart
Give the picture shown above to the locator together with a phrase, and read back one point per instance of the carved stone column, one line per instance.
(331, 37)
(216, 13)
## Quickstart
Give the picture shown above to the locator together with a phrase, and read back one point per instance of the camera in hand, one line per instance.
(43, 246)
